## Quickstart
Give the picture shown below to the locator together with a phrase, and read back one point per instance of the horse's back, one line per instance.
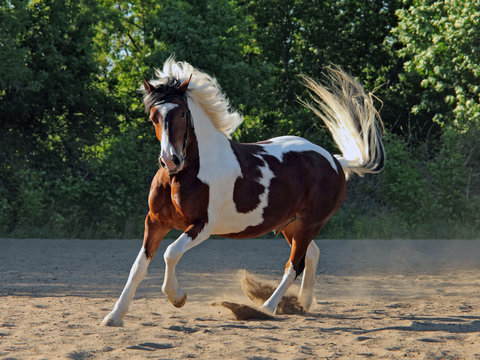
(282, 145)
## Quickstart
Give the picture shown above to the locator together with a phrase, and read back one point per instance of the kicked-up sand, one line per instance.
(375, 299)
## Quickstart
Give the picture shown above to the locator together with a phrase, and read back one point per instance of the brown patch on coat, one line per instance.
(304, 186)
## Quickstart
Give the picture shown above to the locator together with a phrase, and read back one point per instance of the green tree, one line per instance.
(51, 108)
(441, 53)
(442, 47)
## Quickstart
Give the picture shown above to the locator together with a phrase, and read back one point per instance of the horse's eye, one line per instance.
(182, 114)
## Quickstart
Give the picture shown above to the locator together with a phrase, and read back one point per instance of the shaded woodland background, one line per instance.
(77, 152)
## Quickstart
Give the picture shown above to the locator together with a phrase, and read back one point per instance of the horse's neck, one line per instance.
(204, 129)
(214, 149)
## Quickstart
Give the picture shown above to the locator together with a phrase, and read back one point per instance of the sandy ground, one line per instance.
(374, 300)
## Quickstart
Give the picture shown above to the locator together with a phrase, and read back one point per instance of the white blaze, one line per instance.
(166, 148)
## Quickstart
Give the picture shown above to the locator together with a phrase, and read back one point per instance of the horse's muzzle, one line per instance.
(172, 164)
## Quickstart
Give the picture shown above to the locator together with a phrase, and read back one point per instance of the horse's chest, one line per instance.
(190, 200)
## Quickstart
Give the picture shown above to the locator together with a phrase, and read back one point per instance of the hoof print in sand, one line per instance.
(244, 312)
(259, 293)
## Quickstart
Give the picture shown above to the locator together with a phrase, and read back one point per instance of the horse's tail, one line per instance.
(349, 114)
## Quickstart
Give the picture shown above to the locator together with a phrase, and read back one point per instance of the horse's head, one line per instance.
(166, 104)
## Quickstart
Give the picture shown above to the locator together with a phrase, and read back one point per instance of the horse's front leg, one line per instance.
(193, 235)
(154, 233)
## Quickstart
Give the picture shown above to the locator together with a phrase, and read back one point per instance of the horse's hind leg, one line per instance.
(154, 233)
(299, 235)
(308, 281)
(299, 238)
(270, 305)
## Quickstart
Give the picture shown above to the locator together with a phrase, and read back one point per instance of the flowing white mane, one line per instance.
(205, 91)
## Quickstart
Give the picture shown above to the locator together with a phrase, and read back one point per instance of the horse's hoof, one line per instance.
(179, 302)
(112, 322)
(179, 299)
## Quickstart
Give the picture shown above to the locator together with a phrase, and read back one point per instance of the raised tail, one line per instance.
(349, 114)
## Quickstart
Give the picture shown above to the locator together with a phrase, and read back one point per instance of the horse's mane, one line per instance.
(203, 90)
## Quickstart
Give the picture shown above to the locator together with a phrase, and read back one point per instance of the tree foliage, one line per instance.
(441, 48)
(441, 45)
(50, 104)
(77, 153)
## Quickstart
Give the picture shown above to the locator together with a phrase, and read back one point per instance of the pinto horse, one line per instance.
(208, 184)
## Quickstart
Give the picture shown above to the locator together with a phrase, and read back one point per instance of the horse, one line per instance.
(208, 184)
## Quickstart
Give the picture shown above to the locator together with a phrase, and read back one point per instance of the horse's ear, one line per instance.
(183, 87)
(147, 86)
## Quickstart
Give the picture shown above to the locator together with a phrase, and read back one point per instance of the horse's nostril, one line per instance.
(176, 160)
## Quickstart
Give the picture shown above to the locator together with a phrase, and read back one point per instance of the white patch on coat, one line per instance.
(280, 145)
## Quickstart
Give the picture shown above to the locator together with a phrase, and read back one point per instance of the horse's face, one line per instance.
(171, 119)
(171, 124)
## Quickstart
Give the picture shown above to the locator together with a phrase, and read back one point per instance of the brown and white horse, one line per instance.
(208, 184)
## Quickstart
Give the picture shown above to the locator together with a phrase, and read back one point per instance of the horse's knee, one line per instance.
(176, 250)
(173, 254)
(303, 254)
